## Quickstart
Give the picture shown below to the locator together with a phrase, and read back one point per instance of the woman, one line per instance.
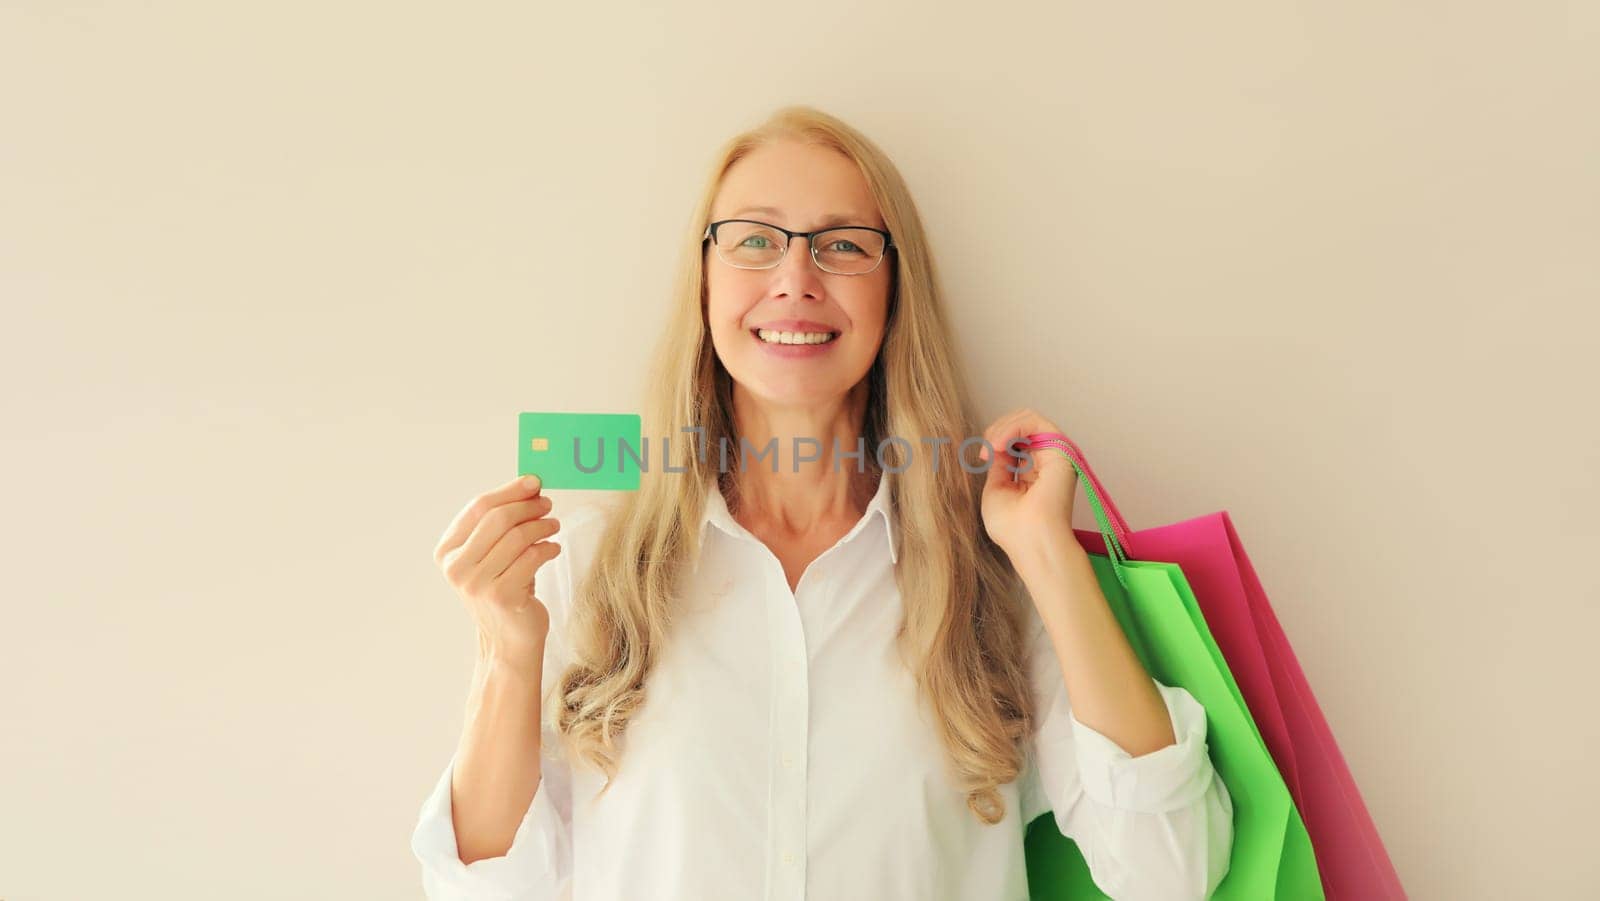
(827, 674)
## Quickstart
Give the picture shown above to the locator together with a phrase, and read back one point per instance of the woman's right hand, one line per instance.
(489, 555)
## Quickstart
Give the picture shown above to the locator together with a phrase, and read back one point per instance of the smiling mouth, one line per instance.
(771, 337)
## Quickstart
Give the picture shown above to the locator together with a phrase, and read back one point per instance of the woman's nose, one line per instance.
(798, 270)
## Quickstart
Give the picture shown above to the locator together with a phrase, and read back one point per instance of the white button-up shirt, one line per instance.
(782, 753)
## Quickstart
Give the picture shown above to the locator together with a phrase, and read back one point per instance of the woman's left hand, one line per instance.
(1035, 510)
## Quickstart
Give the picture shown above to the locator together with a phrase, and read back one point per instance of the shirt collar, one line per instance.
(880, 507)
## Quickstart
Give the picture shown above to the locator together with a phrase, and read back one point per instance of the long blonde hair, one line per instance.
(963, 632)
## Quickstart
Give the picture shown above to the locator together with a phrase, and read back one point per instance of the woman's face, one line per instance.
(801, 187)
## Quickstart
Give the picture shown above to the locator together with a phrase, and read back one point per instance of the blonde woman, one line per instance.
(818, 662)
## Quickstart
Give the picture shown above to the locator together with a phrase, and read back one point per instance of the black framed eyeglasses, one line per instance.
(841, 250)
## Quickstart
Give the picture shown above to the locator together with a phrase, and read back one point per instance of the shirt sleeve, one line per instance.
(538, 865)
(1157, 826)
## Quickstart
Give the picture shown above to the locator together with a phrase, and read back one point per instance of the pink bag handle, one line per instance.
(1099, 497)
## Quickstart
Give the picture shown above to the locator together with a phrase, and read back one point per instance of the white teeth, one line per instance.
(772, 337)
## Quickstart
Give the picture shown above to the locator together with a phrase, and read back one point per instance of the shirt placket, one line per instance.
(789, 725)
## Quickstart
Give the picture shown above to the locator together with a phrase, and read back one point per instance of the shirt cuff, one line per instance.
(532, 859)
(1161, 781)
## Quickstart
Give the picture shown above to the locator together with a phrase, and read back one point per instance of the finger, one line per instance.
(520, 488)
(1009, 461)
(999, 435)
(492, 527)
(514, 542)
(991, 434)
(1028, 424)
(522, 570)
(999, 476)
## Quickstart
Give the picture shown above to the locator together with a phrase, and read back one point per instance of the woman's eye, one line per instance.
(843, 246)
(746, 241)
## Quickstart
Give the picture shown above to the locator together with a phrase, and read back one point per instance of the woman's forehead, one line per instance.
(797, 186)
(781, 216)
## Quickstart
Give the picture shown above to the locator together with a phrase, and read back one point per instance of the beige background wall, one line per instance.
(277, 278)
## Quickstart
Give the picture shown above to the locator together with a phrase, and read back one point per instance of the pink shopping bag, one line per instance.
(1350, 855)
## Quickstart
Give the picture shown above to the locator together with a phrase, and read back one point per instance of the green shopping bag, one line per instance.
(1272, 856)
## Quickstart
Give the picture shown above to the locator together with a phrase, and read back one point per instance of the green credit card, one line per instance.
(588, 451)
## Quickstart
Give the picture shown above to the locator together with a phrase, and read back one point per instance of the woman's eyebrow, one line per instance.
(835, 219)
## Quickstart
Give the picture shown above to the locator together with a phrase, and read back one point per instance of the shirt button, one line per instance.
(788, 858)
(788, 760)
